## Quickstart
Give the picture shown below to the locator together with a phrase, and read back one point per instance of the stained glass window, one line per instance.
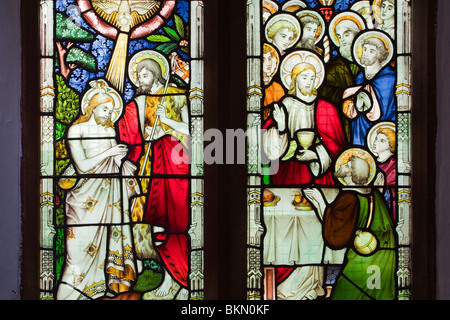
(329, 164)
(121, 179)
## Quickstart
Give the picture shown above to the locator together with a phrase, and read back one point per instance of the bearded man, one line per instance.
(148, 122)
(310, 26)
(372, 99)
(342, 70)
(356, 208)
(100, 260)
(301, 110)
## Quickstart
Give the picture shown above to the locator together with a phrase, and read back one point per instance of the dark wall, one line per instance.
(10, 146)
(443, 152)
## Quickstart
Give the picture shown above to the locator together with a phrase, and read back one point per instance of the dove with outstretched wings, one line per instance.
(125, 14)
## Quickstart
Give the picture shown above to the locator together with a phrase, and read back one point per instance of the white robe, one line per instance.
(99, 239)
(300, 116)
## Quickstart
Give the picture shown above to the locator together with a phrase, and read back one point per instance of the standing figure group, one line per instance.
(330, 123)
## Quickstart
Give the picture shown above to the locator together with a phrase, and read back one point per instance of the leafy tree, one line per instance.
(69, 56)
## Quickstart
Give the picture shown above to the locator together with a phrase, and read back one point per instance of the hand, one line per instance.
(119, 151)
(363, 101)
(379, 179)
(161, 112)
(313, 195)
(306, 155)
(148, 130)
(279, 117)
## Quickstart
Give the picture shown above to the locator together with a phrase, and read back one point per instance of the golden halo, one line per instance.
(357, 47)
(147, 54)
(298, 57)
(100, 86)
(362, 154)
(353, 16)
(286, 17)
(270, 5)
(293, 5)
(364, 5)
(320, 29)
(371, 135)
(376, 9)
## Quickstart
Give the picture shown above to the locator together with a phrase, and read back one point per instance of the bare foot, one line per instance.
(165, 287)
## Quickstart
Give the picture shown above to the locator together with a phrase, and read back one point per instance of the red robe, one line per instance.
(167, 198)
(292, 172)
(331, 133)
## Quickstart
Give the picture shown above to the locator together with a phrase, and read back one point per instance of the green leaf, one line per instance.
(172, 33)
(158, 38)
(60, 129)
(82, 58)
(179, 25)
(66, 29)
(167, 47)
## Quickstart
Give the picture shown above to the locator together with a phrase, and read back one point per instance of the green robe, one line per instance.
(358, 279)
(340, 75)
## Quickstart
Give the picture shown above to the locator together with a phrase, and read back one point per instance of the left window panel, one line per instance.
(121, 158)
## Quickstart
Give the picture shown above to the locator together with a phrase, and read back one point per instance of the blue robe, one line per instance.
(383, 85)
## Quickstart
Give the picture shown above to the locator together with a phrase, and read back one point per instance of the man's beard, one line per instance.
(367, 62)
(101, 121)
(346, 51)
(308, 92)
(144, 88)
(308, 43)
(342, 174)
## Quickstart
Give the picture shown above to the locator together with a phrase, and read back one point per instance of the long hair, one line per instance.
(153, 67)
(96, 100)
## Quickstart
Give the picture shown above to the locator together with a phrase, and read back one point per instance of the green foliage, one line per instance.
(68, 102)
(82, 58)
(180, 26)
(66, 29)
(147, 281)
(61, 165)
(158, 38)
(59, 264)
(167, 47)
(59, 219)
(60, 130)
(172, 33)
(172, 38)
(59, 241)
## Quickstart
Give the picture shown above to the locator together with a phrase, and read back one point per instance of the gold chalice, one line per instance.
(305, 138)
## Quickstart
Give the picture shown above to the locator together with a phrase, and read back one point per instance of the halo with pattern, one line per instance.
(101, 86)
(352, 16)
(320, 29)
(357, 46)
(147, 54)
(360, 153)
(373, 132)
(298, 57)
(289, 19)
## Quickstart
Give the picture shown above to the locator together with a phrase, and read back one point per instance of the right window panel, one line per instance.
(329, 167)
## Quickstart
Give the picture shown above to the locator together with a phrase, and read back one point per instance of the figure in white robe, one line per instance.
(100, 258)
